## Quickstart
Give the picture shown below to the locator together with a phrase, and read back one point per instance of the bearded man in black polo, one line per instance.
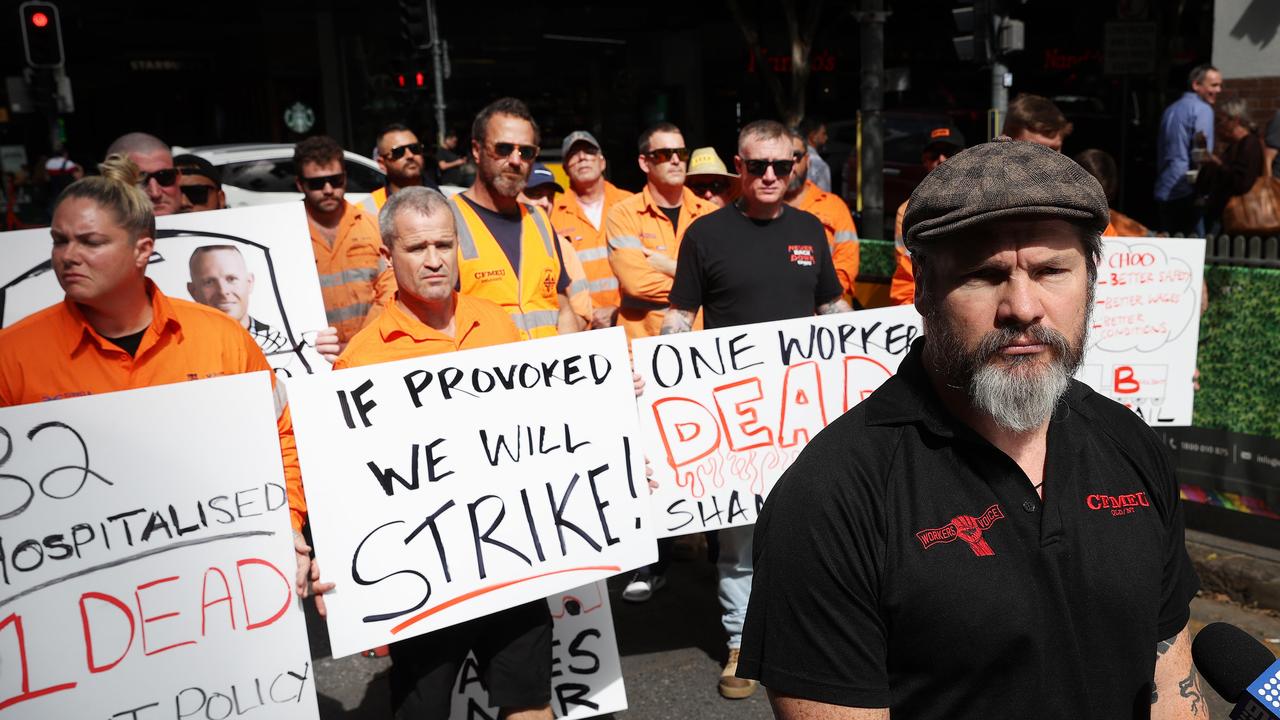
(983, 536)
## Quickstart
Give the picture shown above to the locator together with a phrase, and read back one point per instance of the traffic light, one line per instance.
(413, 23)
(971, 42)
(41, 34)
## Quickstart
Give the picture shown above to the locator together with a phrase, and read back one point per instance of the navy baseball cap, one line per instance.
(541, 175)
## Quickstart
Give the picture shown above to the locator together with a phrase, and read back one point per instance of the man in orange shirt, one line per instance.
(644, 231)
(427, 317)
(115, 330)
(837, 221)
(343, 237)
(943, 142)
(580, 213)
(401, 156)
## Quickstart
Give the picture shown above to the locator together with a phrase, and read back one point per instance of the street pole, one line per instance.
(871, 21)
(999, 96)
(437, 66)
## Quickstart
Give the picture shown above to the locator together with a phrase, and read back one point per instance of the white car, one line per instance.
(263, 174)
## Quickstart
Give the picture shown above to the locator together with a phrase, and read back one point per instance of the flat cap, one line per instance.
(999, 180)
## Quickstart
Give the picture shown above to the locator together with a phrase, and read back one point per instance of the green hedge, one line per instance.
(1239, 357)
(875, 258)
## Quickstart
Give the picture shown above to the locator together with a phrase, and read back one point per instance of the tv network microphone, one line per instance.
(1240, 669)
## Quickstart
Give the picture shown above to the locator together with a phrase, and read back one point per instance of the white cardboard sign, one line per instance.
(448, 487)
(272, 244)
(726, 411)
(586, 674)
(147, 558)
(1146, 326)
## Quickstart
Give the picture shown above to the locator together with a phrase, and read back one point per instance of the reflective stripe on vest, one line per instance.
(577, 286)
(595, 253)
(354, 311)
(625, 241)
(343, 277)
(531, 321)
(603, 285)
(844, 236)
(466, 243)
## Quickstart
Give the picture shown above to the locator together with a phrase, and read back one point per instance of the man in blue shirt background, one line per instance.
(1181, 122)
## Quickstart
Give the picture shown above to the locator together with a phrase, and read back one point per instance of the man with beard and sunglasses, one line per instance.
(344, 239)
(756, 260)
(508, 253)
(983, 536)
(644, 231)
(159, 176)
(402, 157)
(201, 184)
(837, 221)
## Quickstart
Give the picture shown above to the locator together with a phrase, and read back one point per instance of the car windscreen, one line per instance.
(277, 176)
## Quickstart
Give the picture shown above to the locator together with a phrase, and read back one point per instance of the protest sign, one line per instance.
(586, 675)
(1146, 326)
(452, 486)
(253, 263)
(146, 557)
(725, 411)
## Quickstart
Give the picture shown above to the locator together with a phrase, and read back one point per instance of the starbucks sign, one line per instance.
(299, 117)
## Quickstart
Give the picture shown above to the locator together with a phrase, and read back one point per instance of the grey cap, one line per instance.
(577, 136)
(999, 180)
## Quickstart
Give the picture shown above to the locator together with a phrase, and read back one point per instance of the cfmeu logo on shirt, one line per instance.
(496, 274)
(966, 527)
(801, 254)
(1118, 504)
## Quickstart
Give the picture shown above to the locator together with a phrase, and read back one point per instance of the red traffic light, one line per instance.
(400, 80)
(39, 19)
(419, 79)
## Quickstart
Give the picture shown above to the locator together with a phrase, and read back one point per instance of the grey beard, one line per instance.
(1004, 390)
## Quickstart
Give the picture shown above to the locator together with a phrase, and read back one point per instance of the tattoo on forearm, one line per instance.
(1162, 647)
(1189, 688)
(835, 306)
(677, 321)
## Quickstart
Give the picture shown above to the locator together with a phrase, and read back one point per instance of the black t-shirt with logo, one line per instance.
(740, 270)
(905, 562)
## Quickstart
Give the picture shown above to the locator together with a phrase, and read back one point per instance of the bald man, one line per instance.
(221, 279)
(159, 176)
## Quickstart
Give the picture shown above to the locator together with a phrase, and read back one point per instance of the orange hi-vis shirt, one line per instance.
(579, 289)
(349, 271)
(55, 353)
(528, 294)
(1122, 225)
(397, 335)
(902, 288)
(632, 226)
(842, 234)
(588, 241)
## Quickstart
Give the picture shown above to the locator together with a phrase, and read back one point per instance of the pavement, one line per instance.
(672, 647)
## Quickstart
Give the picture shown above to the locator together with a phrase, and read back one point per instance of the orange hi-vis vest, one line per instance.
(349, 270)
(842, 233)
(571, 220)
(529, 294)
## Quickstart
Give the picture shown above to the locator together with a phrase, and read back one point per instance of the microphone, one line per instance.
(1240, 669)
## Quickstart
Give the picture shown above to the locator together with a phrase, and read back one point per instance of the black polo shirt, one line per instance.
(905, 562)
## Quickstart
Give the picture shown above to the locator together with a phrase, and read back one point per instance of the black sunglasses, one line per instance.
(504, 149)
(165, 177)
(781, 168)
(318, 183)
(197, 194)
(662, 155)
(398, 152)
(700, 187)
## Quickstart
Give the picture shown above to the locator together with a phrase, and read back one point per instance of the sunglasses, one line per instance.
(165, 177)
(398, 152)
(318, 183)
(504, 149)
(662, 155)
(197, 194)
(781, 168)
(701, 187)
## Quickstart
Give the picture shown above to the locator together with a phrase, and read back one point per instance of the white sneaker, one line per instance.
(642, 587)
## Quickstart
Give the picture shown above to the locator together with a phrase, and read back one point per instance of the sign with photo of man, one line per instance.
(253, 263)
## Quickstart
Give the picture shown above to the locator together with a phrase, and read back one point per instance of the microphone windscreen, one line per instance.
(1229, 659)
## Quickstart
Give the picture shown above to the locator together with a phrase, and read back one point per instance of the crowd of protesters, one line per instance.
(412, 271)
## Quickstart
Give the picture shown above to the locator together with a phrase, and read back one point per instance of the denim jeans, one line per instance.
(735, 569)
